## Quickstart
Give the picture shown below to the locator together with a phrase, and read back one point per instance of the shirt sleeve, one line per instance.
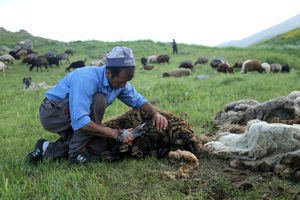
(81, 94)
(131, 97)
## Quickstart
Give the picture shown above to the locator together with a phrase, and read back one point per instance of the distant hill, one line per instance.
(273, 31)
(291, 38)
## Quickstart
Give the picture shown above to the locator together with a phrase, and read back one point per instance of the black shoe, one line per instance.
(84, 158)
(37, 155)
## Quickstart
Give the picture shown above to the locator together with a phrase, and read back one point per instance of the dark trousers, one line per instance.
(55, 117)
(174, 49)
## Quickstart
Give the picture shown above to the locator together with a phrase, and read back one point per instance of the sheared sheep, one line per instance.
(3, 68)
(178, 72)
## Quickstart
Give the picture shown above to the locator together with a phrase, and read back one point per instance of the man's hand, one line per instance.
(159, 121)
(125, 136)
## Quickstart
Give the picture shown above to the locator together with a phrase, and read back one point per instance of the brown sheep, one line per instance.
(178, 72)
(163, 58)
(250, 66)
(224, 67)
(3, 68)
(148, 67)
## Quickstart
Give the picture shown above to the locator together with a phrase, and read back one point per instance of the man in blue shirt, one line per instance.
(74, 109)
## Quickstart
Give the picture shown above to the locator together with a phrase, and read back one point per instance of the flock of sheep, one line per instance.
(185, 68)
(219, 64)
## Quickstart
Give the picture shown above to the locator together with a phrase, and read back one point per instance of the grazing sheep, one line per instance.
(148, 67)
(250, 66)
(201, 60)
(153, 58)
(275, 67)
(53, 61)
(38, 63)
(14, 55)
(28, 60)
(238, 65)
(21, 52)
(3, 68)
(178, 72)
(30, 85)
(224, 67)
(76, 64)
(144, 61)
(51, 53)
(266, 67)
(63, 56)
(69, 52)
(187, 64)
(163, 58)
(7, 58)
(285, 68)
(216, 61)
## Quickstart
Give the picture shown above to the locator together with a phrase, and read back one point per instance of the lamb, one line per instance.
(201, 60)
(144, 61)
(30, 85)
(275, 67)
(224, 67)
(3, 68)
(163, 58)
(266, 67)
(147, 67)
(178, 72)
(251, 65)
(76, 64)
(285, 68)
(7, 58)
(187, 64)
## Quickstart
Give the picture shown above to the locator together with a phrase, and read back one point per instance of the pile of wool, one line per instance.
(235, 115)
(178, 135)
(262, 147)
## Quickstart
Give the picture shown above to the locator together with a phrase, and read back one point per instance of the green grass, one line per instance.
(196, 101)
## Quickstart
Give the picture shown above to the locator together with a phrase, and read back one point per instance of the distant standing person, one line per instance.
(174, 45)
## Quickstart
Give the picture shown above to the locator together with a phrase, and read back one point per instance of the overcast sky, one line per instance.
(204, 22)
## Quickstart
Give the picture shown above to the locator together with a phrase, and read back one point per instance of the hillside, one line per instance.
(289, 39)
(273, 31)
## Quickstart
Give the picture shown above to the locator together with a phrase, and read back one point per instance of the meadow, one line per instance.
(195, 101)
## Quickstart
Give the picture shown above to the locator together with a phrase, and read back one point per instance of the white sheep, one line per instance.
(3, 68)
(7, 58)
(275, 67)
(266, 67)
(153, 58)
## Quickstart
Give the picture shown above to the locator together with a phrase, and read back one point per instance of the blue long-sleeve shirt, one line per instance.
(80, 86)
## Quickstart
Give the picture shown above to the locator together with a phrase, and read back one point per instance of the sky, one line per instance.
(202, 22)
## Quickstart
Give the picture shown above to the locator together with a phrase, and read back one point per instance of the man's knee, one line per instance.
(98, 107)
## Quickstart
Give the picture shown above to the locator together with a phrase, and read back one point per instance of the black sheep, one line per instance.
(144, 61)
(285, 69)
(76, 64)
(53, 61)
(187, 64)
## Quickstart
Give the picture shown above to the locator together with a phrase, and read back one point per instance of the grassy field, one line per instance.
(194, 100)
